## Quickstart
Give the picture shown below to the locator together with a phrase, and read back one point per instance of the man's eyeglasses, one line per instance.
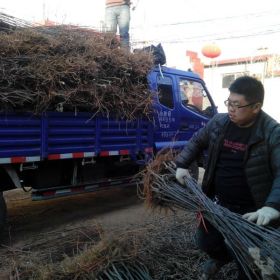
(234, 105)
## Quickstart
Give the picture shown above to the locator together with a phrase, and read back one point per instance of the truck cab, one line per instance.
(182, 105)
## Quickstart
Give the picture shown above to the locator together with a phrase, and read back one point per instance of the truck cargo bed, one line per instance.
(54, 135)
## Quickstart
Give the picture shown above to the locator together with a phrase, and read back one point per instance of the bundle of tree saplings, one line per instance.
(257, 248)
(68, 68)
(159, 249)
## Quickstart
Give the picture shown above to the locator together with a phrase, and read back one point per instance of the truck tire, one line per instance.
(194, 170)
(3, 212)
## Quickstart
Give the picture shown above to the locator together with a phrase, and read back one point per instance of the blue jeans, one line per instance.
(119, 16)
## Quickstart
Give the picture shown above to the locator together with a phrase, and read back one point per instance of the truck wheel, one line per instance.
(194, 170)
(3, 212)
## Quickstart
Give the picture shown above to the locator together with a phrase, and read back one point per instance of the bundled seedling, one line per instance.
(69, 68)
(257, 248)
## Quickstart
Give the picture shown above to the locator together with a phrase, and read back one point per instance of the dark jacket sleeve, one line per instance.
(273, 199)
(196, 145)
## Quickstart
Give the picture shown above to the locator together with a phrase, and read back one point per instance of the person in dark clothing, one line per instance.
(243, 167)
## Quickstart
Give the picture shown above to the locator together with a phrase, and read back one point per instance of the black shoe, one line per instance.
(210, 268)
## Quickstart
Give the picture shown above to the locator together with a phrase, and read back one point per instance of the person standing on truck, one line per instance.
(117, 15)
(243, 167)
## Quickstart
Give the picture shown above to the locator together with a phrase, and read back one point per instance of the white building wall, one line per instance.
(272, 97)
(214, 77)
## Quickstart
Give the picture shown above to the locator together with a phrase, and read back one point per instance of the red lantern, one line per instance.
(211, 50)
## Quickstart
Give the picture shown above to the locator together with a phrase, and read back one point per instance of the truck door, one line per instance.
(165, 115)
(195, 107)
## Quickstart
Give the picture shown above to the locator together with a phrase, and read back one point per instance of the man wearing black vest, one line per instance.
(243, 168)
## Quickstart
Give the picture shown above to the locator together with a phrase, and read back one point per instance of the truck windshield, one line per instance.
(194, 97)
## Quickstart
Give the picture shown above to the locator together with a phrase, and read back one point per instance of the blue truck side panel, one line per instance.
(59, 133)
(20, 135)
(68, 133)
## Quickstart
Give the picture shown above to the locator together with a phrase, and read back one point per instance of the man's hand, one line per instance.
(180, 174)
(263, 216)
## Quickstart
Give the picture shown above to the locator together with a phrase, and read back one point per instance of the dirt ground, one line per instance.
(115, 210)
(112, 209)
(39, 223)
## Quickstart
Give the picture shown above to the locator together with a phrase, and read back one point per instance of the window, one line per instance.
(165, 92)
(194, 97)
(229, 78)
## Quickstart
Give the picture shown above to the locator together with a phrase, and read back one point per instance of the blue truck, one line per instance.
(64, 153)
